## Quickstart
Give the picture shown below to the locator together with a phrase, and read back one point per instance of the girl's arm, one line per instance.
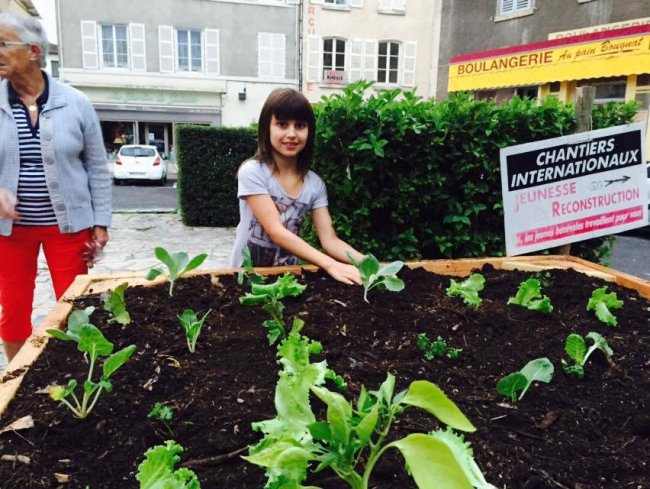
(332, 244)
(268, 216)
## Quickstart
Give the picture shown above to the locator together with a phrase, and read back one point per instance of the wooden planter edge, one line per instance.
(90, 284)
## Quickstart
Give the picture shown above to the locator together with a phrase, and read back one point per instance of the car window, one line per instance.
(137, 151)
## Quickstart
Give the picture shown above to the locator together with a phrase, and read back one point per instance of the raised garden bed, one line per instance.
(590, 433)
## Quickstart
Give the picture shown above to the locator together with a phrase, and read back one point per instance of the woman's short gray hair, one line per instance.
(28, 29)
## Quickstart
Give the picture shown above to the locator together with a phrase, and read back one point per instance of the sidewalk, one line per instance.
(130, 249)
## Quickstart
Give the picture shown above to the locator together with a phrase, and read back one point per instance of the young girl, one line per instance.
(276, 189)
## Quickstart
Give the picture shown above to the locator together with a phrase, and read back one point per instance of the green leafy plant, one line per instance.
(516, 384)
(576, 348)
(436, 348)
(270, 296)
(468, 289)
(92, 342)
(529, 295)
(192, 326)
(248, 273)
(374, 274)
(114, 303)
(157, 469)
(162, 413)
(354, 434)
(603, 303)
(176, 264)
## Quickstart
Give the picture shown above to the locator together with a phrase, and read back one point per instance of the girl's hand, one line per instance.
(343, 272)
(8, 204)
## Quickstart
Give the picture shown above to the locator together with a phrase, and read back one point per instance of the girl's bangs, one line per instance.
(294, 108)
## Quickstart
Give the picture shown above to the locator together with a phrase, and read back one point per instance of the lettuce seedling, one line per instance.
(602, 304)
(157, 469)
(576, 348)
(162, 413)
(468, 289)
(192, 326)
(538, 370)
(176, 264)
(529, 296)
(270, 296)
(115, 305)
(373, 274)
(354, 434)
(248, 273)
(436, 349)
(91, 341)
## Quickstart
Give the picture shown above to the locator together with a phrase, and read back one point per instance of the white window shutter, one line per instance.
(166, 48)
(90, 58)
(356, 60)
(211, 64)
(523, 4)
(385, 4)
(507, 6)
(369, 60)
(356, 3)
(408, 63)
(137, 46)
(264, 67)
(314, 59)
(278, 56)
(399, 5)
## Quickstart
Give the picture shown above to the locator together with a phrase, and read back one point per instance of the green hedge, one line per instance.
(207, 160)
(412, 179)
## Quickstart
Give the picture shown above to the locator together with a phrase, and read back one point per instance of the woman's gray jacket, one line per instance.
(74, 158)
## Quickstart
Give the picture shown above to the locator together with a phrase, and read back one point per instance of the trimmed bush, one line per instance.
(207, 160)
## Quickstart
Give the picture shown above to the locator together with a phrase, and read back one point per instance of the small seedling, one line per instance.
(115, 305)
(374, 274)
(157, 469)
(92, 342)
(270, 296)
(248, 273)
(162, 413)
(436, 349)
(603, 303)
(530, 296)
(538, 370)
(176, 264)
(192, 326)
(576, 348)
(468, 289)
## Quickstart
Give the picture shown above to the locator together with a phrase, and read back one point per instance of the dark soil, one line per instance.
(573, 434)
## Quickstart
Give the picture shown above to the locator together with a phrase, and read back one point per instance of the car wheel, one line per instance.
(163, 180)
(117, 181)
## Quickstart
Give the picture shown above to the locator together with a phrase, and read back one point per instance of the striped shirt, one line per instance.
(34, 205)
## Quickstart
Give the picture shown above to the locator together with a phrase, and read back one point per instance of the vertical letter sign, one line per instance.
(573, 188)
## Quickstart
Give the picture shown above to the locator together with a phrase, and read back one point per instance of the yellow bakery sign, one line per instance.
(579, 57)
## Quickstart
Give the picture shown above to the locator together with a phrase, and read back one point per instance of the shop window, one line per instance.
(526, 92)
(388, 62)
(643, 80)
(189, 50)
(607, 89)
(554, 87)
(334, 61)
(115, 46)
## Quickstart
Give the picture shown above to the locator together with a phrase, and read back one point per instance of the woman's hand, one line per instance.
(348, 274)
(8, 202)
(98, 239)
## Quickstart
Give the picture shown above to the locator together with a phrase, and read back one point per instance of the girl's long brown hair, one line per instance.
(285, 104)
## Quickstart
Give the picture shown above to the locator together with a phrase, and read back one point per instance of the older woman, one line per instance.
(55, 188)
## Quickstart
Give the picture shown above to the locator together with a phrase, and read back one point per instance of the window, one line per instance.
(115, 46)
(189, 50)
(271, 55)
(344, 3)
(55, 68)
(643, 80)
(607, 89)
(513, 6)
(388, 62)
(333, 59)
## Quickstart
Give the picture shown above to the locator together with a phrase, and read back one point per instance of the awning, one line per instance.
(619, 52)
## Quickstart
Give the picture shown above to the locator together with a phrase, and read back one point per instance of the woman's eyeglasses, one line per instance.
(6, 44)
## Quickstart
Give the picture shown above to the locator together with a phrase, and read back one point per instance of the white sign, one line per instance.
(599, 28)
(334, 77)
(152, 136)
(573, 188)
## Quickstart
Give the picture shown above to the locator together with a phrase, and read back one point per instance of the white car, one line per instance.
(139, 162)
